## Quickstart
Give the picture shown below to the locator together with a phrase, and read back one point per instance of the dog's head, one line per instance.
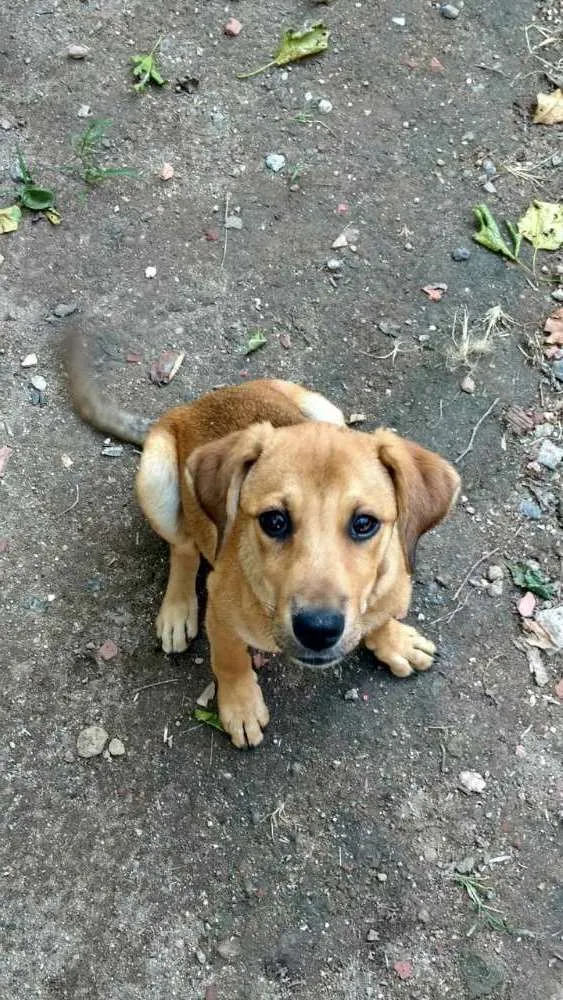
(313, 512)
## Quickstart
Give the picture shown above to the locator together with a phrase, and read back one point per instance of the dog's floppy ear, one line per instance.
(216, 471)
(426, 486)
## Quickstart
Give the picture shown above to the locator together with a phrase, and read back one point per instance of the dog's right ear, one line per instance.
(216, 471)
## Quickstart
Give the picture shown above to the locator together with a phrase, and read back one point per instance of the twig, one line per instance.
(475, 429)
(211, 750)
(443, 768)
(483, 558)
(73, 504)
(450, 614)
(226, 230)
(155, 684)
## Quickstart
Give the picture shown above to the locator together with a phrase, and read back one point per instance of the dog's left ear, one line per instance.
(426, 486)
(216, 471)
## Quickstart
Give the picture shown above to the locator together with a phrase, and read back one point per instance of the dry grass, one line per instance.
(470, 343)
(539, 39)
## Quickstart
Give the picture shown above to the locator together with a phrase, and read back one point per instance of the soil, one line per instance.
(321, 865)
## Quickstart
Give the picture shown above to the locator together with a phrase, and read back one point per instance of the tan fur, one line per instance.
(210, 468)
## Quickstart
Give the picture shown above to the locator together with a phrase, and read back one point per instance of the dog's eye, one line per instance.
(363, 526)
(275, 523)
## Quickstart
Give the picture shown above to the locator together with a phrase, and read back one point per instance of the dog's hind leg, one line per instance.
(158, 490)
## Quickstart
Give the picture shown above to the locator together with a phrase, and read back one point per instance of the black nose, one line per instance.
(318, 629)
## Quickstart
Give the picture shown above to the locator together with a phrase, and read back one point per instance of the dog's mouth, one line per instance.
(317, 660)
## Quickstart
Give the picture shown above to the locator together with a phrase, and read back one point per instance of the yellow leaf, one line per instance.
(10, 218)
(542, 225)
(550, 108)
(53, 216)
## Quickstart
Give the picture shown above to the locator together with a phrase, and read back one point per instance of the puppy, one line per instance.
(310, 528)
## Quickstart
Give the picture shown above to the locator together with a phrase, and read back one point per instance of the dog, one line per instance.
(310, 528)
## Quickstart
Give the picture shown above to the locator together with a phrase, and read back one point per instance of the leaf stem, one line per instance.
(255, 72)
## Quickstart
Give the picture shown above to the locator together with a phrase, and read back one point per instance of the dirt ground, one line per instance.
(323, 864)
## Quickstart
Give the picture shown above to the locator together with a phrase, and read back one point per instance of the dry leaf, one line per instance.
(10, 218)
(165, 367)
(550, 108)
(554, 327)
(542, 225)
(537, 669)
(536, 634)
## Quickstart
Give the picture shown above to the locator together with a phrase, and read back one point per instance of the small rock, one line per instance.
(423, 915)
(201, 956)
(233, 222)
(91, 741)
(229, 948)
(167, 172)
(489, 167)
(356, 418)
(275, 162)
(468, 385)
(334, 264)
(63, 309)
(495, 572)
(461, 253)
(38, 382)
(116, 747)
(448, 11)
(296, 768)
(557, 295)
(489, 187)
(526, 605)
(549, 455)
(324, 106)
(381, 877)
(5, 124)
(352, 695)
(83, 111)
(495, 588)
(112, 450)
(2, 259)
(472, 781)
(29, 361)
(389, 328)
(372, 935)
(232, 28)
(77, 51)
(552, 621)
(108, 650)
(404, 970)
(557, 369)
(150, 271)
(465, 866)
(399, 21)
(529, 508)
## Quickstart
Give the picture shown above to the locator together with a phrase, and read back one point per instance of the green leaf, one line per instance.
(295, 45)
(146, 69)
(10, 218)
(36, 199)
(256, 339)
(209, 717)
(542, 225)
(489, 234)
(528, 578)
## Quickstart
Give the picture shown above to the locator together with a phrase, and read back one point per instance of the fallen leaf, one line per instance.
(528, 578)
(10, 218)
(554, 328)
(521, 421)
(527, 605)
(5, 454)
(165, 367)
(549, 109)
(435, 292)
(472, 781)
(537, 669)
(536, 634)
(489, 235)
(53, 216)
(542, 225)
(36, 199)
(209, 718)
(295, 45)
(256, 339)
(108, 650)
(146, 70)
(167, 172)
(404, 970)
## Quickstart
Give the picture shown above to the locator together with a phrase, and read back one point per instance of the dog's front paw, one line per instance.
(243, 711)
(401, 648)
(176, 624)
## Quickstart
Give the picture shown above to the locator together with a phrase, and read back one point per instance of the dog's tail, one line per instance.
(90, 402)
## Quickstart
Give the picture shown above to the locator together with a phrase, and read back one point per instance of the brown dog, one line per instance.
(310, 528)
